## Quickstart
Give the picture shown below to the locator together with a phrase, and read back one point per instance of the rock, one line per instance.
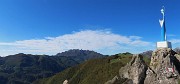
(135, 70)
(163, 67)
(177, 56)
(65, 82)
(129, 81)
(113, 80)
(119, 80)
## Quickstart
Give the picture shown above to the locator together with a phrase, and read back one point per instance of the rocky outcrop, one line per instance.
(134, 72)
(163, 68)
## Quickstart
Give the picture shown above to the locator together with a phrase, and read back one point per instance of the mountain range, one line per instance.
(26, 68)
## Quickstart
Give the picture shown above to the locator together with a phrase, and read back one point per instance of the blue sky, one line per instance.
(52, 26)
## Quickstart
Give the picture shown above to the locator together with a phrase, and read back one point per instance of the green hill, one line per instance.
(96, 71)
(26, 68)
(23, 69)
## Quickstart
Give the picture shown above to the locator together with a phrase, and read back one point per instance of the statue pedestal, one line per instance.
(164, 44)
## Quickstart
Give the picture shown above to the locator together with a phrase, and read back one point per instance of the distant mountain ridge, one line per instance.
(26, 68)
(77, 52)
(80, 55)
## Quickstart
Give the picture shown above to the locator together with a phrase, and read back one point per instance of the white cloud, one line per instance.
(135, 37)
(175, 41)
(99, 40)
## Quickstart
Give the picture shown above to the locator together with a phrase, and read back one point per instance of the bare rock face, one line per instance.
(133, 73)
(135, 70)
(163, 67)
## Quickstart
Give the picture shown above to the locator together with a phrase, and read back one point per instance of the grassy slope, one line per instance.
(24, 69)
(96, 71)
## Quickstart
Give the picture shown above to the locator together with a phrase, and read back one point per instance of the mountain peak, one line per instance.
(77, 52)
(164, 67)
(80, 55)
